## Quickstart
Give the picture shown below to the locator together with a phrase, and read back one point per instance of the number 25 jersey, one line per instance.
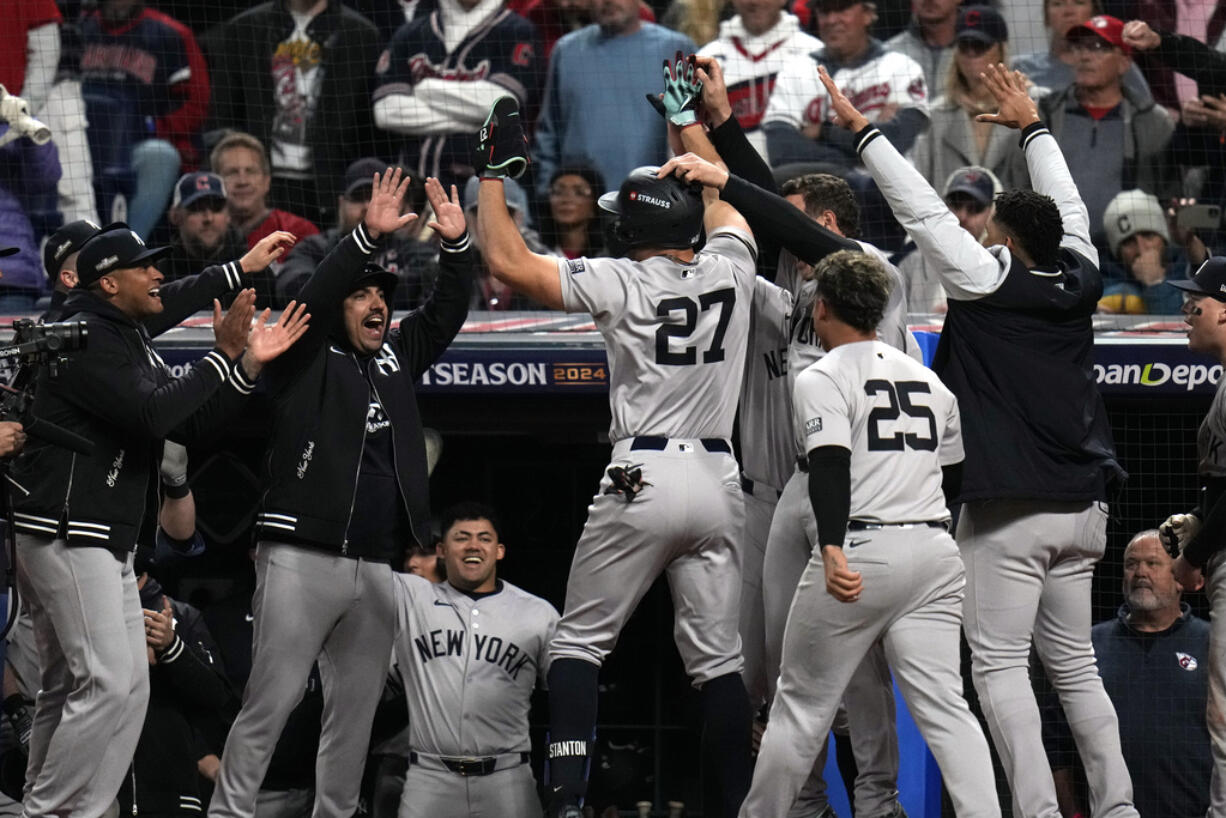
(675, 334)
(897, 418)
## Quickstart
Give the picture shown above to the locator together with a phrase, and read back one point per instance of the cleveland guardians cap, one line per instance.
(192, 187)
(983, 24)
(975, 182)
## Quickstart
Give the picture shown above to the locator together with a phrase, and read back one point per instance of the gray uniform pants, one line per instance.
(310, 605)
(1216, 710)
(686, 525)
(868, 712)
(759, 509)
(1029, 565)
(509, 793)
(94, 675)
(912, 603)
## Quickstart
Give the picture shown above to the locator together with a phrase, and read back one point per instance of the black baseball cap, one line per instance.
(982, 24)
(362, 173)
(1209, 280)
(839, 5)
(973, 182)
(192, 187)
(116, 248)
(375, 274)
(64, 242)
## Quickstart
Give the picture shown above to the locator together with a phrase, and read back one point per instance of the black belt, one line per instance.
(659, 444)
(861, 525)
(471, 766)
(747, 486)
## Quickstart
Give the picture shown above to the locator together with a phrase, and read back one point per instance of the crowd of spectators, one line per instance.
(210, 129)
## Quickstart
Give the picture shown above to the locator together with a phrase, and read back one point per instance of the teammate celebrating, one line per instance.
(348, 488)
(1198, 536)
(470, 650)
(674, 323)
(890, 569)
(1034, 518)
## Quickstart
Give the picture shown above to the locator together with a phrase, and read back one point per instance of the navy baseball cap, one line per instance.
(361, 173)
(64, 242)
(974, 182)
(982, 24)
(117, 248)
(1209, 280)
(192, 187)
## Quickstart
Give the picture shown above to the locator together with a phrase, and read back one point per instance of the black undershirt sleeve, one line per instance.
(830, 492)
(1213, 512)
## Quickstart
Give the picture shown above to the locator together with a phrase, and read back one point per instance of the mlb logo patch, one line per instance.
(1185, 661)
(813, 425)
(575, 265)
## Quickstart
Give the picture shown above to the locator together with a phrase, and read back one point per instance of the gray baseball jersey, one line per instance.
(674, 334)
(804, 348)
(1211, 438)
(897, 418)
(470, 664)
(898, 421)
(765, 403)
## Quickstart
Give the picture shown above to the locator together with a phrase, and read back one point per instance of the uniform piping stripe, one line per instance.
(459, 246)
(365, 243)
(96, 526)
(173, 652)
(20, 526)
(282, 526)
(91, 534)
(866, 137)
(35, 517)
(1030, 137)
(189, 798)
(265, 515)
(218, 367)
(240, 381)
(182, 75)
(233, 274)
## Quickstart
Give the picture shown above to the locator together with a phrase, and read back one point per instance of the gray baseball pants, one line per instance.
(310, 605)
(868, 703)
(1215, 717)
(686, 525)
(94, 675)
(1029, 565)
(509, 793)
(912, 603)
(759, 509)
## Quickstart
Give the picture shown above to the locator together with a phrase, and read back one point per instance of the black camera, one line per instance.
(35, 344)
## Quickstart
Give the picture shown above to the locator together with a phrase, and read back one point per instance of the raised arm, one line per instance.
(967, 269)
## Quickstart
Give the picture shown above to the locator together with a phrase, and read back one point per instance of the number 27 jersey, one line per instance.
(897, 418)
(675, 334)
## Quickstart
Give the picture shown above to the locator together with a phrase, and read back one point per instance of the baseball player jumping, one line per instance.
(1017, 351)
(879, 429)
(675, 324)
(347, 465)
(470, 649)
(1199, 535)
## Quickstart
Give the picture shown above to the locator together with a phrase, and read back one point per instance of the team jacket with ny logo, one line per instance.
(322, 393)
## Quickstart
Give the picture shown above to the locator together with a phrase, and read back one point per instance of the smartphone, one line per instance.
(1199, 217)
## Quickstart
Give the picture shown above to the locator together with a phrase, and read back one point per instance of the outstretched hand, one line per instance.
(386, 198)
(845, 114)
(714, 90)
(1015, 108)
(267, 250)
(265, 342)
(690, 167)
(448, 215)
(230, 330)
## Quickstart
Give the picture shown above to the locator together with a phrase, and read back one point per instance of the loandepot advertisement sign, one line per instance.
(1140, 368)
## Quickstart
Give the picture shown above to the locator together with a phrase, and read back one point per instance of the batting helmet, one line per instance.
(655, 212)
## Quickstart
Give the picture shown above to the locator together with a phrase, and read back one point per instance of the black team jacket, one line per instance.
(321, 393)
(118, 393)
